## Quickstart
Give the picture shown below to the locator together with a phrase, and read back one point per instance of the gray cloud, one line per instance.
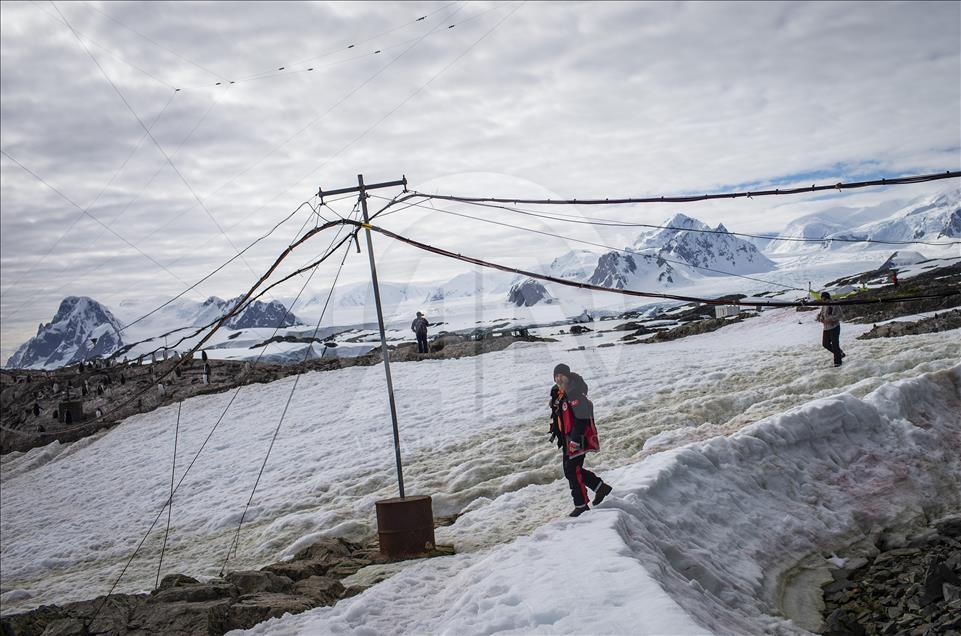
(578, 99)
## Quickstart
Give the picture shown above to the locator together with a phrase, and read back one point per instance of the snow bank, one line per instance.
(711, 528)
(71, 516)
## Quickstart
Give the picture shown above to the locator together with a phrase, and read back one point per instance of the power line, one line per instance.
(329, 253)
(586, 220)
(235, 543)
(630, 292)
(149, 134)
(217, 269)
(110, 51)
(284, 71)
(607, 247)
(85, 212)
(93, 203)
(924, 178)
(156, 44)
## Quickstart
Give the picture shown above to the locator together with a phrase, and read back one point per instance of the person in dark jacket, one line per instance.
(830, 317)
(419, 327)
(572, 426)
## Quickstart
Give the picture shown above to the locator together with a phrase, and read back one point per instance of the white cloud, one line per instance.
(585, 99)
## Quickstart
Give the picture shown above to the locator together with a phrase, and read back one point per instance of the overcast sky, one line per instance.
(563, 99)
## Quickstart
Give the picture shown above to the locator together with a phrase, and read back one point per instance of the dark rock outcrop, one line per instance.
(183, 606)
(528, 293)
(933, 324)
(911, 587)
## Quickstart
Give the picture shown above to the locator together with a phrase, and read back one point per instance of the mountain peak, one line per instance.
(68, 338)
(682, 221)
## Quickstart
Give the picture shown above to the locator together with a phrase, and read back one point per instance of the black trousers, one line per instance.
(832, 342)
(580, 479)
(422, 343)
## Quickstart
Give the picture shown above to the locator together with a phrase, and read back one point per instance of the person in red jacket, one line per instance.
(572, 426)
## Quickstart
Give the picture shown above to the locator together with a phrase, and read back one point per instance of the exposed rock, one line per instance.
(902, 590)
(528, 293)
(197, 593)
(297, 570)
(180, 618)
(691, 329)
(935, 576)
(183, 606)
(252, 581)
(949, 526)
(256, 608)
(933, 324)
(840, 623)
(176, 580)
(324, 590)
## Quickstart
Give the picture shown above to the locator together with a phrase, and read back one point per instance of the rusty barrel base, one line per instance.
(405, 527)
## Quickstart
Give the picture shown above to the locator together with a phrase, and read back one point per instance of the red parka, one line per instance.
(575, 423)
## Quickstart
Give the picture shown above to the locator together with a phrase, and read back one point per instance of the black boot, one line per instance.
(602, 491)
(578, 511)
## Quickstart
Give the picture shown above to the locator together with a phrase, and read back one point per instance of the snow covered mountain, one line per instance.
(68, 338)
(257, 314)
(703, 248)
(574, 265)
(633, 271)
(469, 285)
(528, 292)
(928, 218)
(657, 259)
(82, 328)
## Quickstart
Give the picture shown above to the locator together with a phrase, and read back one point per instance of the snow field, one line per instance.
(474, 436)
(694, 540)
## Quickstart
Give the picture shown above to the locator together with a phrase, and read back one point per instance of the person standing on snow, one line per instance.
(419, 327)
(830, 317)
(572, 426)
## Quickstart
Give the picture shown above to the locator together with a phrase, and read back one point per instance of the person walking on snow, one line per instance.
(830, 317)
(419, 327)
(572, 426)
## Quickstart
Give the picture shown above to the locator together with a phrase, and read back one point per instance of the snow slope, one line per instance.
(696, 539)
(70, 515)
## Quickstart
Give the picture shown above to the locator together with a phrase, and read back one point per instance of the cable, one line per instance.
(607, 247)
(924, 178)
(236, 540)
(630, 292)
(149, 134)
(107, 227)
(189, 466)
(218, 268)
(170, 502)
(585, 220)
(242, 303)
(157, 44)
(97, 198)
(286, 71)
(109, 51)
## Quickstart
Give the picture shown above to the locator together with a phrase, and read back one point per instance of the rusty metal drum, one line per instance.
(405, 527)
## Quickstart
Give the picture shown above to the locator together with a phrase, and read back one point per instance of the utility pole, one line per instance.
(362, 190)
(383, 334)
(405, 525)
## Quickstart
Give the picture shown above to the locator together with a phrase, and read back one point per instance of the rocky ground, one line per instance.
(30, 400)
(932, 324)
(184, 606)
(932, 281)
(911, 586)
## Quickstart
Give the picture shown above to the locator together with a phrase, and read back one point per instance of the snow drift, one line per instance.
(694, 540)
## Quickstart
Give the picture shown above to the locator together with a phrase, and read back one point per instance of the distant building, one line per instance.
(723, 311)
